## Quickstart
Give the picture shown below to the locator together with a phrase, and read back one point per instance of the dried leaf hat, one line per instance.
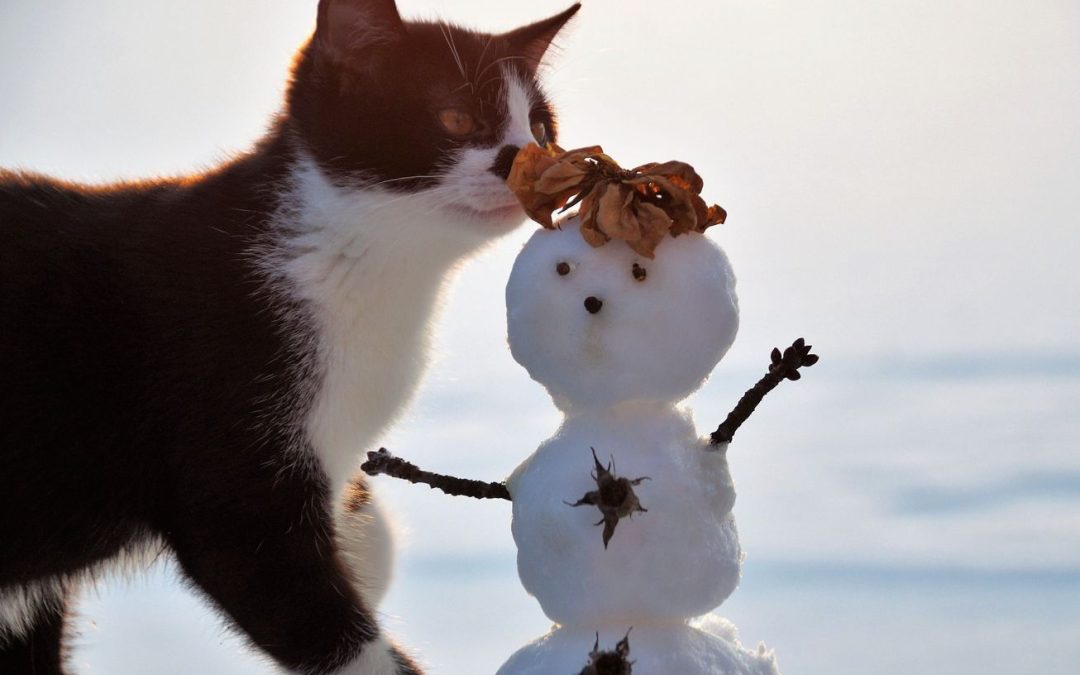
(640, 206)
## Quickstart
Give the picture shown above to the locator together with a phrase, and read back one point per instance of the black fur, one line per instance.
(40, 652)
(362, 116)
(152, 379)
(504, 161)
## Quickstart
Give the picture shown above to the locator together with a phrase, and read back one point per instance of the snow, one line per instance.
(678, 560)
(617, 351)
(652, 339)
(884, 200)
(711, 649)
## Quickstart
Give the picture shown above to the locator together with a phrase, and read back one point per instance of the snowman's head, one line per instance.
(598, 326)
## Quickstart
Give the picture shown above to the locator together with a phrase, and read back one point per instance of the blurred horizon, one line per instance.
(900, 178)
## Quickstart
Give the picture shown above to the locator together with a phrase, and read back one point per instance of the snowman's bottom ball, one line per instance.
(654, 650)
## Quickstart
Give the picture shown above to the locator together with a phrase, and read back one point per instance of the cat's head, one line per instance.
(422, 107)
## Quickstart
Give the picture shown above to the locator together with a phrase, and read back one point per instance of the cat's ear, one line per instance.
(348, 29)
(532, 41)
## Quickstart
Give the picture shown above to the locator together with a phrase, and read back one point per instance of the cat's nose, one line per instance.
(593, 304)
(504, 160)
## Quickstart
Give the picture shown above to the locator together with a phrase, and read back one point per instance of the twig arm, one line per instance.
(783, 367)
(382, 462)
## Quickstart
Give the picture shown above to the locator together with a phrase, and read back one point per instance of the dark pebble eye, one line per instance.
(639, 272)
(563, 269)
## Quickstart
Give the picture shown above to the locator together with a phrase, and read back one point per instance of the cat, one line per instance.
(197, 364)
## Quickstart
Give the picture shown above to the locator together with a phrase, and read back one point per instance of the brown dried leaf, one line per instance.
(529, 164)
(589, 206)
(593, 236)
(615, 218)
(701, 212)
(715, 215)
(653, 226)
(544, 179)
(559, 178)
(683, 175)
(652, 218)
(640, 206)
(587, 213)
(678, 205)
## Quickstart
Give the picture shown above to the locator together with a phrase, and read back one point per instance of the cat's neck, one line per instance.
(391, 233)
(370, 264)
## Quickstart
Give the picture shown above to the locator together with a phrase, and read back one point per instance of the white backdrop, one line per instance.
(901, 182)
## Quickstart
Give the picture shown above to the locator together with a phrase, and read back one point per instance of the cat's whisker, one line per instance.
(403, 178)
(497, 62)
(497, 78)
(449, 38)
(372, 208)
(483, 53)
(479, 63)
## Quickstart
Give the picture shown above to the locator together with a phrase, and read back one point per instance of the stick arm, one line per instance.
(382, 462)
(784, 366)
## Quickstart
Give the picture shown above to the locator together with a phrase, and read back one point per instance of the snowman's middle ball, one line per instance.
(597, 326)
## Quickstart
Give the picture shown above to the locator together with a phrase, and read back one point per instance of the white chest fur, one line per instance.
(371, 265)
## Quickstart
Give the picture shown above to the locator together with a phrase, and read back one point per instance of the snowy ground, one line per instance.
(828, 620)
(887, 531)
(901, 178)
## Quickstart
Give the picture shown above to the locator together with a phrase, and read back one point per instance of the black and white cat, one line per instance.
(199, 363)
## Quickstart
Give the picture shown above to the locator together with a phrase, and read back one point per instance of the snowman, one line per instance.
(623, 518)
(618, 340)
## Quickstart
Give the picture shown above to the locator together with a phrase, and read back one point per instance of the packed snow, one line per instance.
(619, 340)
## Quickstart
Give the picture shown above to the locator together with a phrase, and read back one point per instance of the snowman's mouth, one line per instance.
(594, 343)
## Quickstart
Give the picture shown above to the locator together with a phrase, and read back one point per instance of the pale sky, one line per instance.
(909, 163)
(901, 182)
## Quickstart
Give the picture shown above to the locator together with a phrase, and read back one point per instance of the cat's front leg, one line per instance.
(265, 553)
(365, 541)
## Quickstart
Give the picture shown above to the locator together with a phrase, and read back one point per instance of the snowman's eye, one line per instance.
(639, 272)
(563, 269)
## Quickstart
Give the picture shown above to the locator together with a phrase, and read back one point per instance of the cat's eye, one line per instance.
(457, 122)
(639, 272)
(563, 269)
(540, 133)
